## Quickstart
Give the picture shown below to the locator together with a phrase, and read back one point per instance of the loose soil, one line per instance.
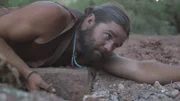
(106, 87)
(165, 49)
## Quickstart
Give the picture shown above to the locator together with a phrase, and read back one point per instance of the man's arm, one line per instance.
(142, 71)
(31, 23)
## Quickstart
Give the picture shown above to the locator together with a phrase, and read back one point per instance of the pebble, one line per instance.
(161, 96)
(177, 86)
(114, 97)
(104, 93)
(114, 85)
(157, 84)
(173, 94)
(141, 85)
(163, 90)
(141, 100)
(91, 98)
(146, 95)
(153, 97)
(121, 86)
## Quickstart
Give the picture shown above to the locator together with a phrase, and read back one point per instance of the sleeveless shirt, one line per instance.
(54, 51)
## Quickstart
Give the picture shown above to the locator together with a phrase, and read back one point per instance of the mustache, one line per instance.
(103, 51)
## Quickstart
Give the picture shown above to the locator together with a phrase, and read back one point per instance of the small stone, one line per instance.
(161, 96)
(141, 100)
(163, 90)
(174, 93)
(114, 85)
(92, 98)
(154, 97)
(121, 86)
(177, 86)
(157, 84)
(145, 95)
(104, 93)
(114, 97)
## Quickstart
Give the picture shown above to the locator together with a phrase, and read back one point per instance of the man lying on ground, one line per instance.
(49, 34)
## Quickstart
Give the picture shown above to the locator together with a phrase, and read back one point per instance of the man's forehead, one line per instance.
(116, 29)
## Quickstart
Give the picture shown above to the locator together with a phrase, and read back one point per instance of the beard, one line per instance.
(87, 44)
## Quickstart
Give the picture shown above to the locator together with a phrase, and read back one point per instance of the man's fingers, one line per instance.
(51, 88)
(32, 87)
(47, 87)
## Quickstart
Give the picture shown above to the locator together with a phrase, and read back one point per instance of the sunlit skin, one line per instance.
(100, 39)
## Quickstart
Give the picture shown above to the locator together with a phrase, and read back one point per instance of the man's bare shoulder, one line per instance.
(46, 8)
(45, 11)
(42, 8)
(41, 19)
(50, 18)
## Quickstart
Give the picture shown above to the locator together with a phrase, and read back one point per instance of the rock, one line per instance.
(163, 90)
(114, 85)
(114, 98)
(177, 98)
(120, 86)
(93, 98)
(71, 84)
(176, 85)
(157, 84)
(153, 97)
(173, 94)
(102, 94)
(9, 76)
(146, 95)
(141, 100)
(161, 96)
(11, 94)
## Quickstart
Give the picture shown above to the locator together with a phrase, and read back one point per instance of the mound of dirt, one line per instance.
(106, 87)
(164, 49)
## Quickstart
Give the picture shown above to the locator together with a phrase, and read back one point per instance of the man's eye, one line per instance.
(108, 36)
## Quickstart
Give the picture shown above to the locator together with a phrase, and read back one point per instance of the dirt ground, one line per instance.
(165, 49)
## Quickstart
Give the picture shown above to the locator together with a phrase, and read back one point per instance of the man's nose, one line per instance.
(109, 47)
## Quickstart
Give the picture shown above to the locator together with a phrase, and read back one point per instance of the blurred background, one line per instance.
(158, 17)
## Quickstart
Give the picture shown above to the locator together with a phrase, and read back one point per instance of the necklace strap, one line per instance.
(73, 60)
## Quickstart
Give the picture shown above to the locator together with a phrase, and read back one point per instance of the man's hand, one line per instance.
(35, 83)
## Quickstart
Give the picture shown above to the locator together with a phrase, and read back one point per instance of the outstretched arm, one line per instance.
(142, 71)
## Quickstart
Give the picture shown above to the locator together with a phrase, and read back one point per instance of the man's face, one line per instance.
(100, 40)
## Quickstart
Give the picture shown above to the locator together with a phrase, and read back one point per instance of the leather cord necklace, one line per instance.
(73, 60)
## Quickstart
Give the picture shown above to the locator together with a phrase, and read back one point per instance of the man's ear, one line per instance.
(89, 21)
